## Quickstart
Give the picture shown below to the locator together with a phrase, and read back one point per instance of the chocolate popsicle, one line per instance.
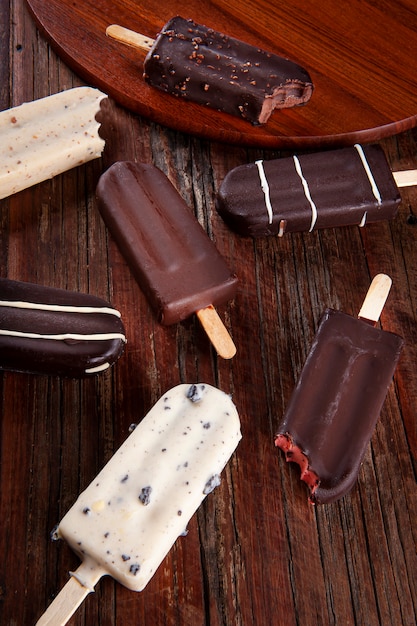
(198, 63)
(174, 261)
(336, 404)
(340, 187)
(46, 330)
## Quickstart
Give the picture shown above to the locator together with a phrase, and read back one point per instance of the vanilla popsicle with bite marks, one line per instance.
(46, 137)
(198, 63)
(336, 403)
(129, 517)
(343, 187)
(172, 258)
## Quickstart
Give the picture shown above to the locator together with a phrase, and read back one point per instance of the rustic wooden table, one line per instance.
(256, 552)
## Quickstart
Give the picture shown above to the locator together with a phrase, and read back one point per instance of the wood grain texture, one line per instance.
(256, 552)
(362, 62)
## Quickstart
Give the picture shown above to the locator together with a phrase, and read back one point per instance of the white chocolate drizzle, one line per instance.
(38, 306)
(63, 336)
(64, 309)
(363, 220)
(99, 368)
(307, 193)
(369, 174)
(265, 189)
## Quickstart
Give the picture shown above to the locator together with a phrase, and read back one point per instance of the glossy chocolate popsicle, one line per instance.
(175, 263)
(335, 406)
(340, 187)
(198, 63)
(46, 330)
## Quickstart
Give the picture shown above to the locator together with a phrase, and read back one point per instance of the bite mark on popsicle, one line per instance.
(335, 406)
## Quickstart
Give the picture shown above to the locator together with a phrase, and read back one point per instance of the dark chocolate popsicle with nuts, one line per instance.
(198, 63)
(336, 404)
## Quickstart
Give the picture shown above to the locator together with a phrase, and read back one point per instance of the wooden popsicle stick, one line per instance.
(375, 298)
(129, 37)
(71, 596)
(217, 332)
(406, 178)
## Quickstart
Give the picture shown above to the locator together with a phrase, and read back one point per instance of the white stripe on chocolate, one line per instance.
(58, 307)
(307, 193)
(96, 370)
(265, 189)
(369, 174)
(63, 336)
(363, 220)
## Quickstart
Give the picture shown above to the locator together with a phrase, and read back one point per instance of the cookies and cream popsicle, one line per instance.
(336, 403)
(46, 137)
(343, 187)
(132, 513)
(46, 330)
(172, 258)
(198, 63)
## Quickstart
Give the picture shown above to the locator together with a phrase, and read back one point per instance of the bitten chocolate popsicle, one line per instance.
(46, 137)
(336, 404)
(343, 187)
(174, 261)
(197, 63)
(127, 520)
(46, 330)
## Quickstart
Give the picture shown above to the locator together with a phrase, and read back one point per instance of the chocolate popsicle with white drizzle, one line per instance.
(47, 330)
(343, 187)
(337, 401)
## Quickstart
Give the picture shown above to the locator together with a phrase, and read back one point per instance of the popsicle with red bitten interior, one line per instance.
(174, 261)
(342, 187)
(131, 514)
(198, 63)
(337, 401)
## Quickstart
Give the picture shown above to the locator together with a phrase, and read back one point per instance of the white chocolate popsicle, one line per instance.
(129, 517)
(46, 137)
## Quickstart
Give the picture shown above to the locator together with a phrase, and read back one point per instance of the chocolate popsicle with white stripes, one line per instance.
(342, 187)
(52, 331)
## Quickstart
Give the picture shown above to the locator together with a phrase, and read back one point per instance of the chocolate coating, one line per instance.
(175, 263)
(335, 406)
(200, 64)
(336, 191)
(46, 330)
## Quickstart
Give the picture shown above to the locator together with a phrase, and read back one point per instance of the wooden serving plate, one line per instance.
(361, 57)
